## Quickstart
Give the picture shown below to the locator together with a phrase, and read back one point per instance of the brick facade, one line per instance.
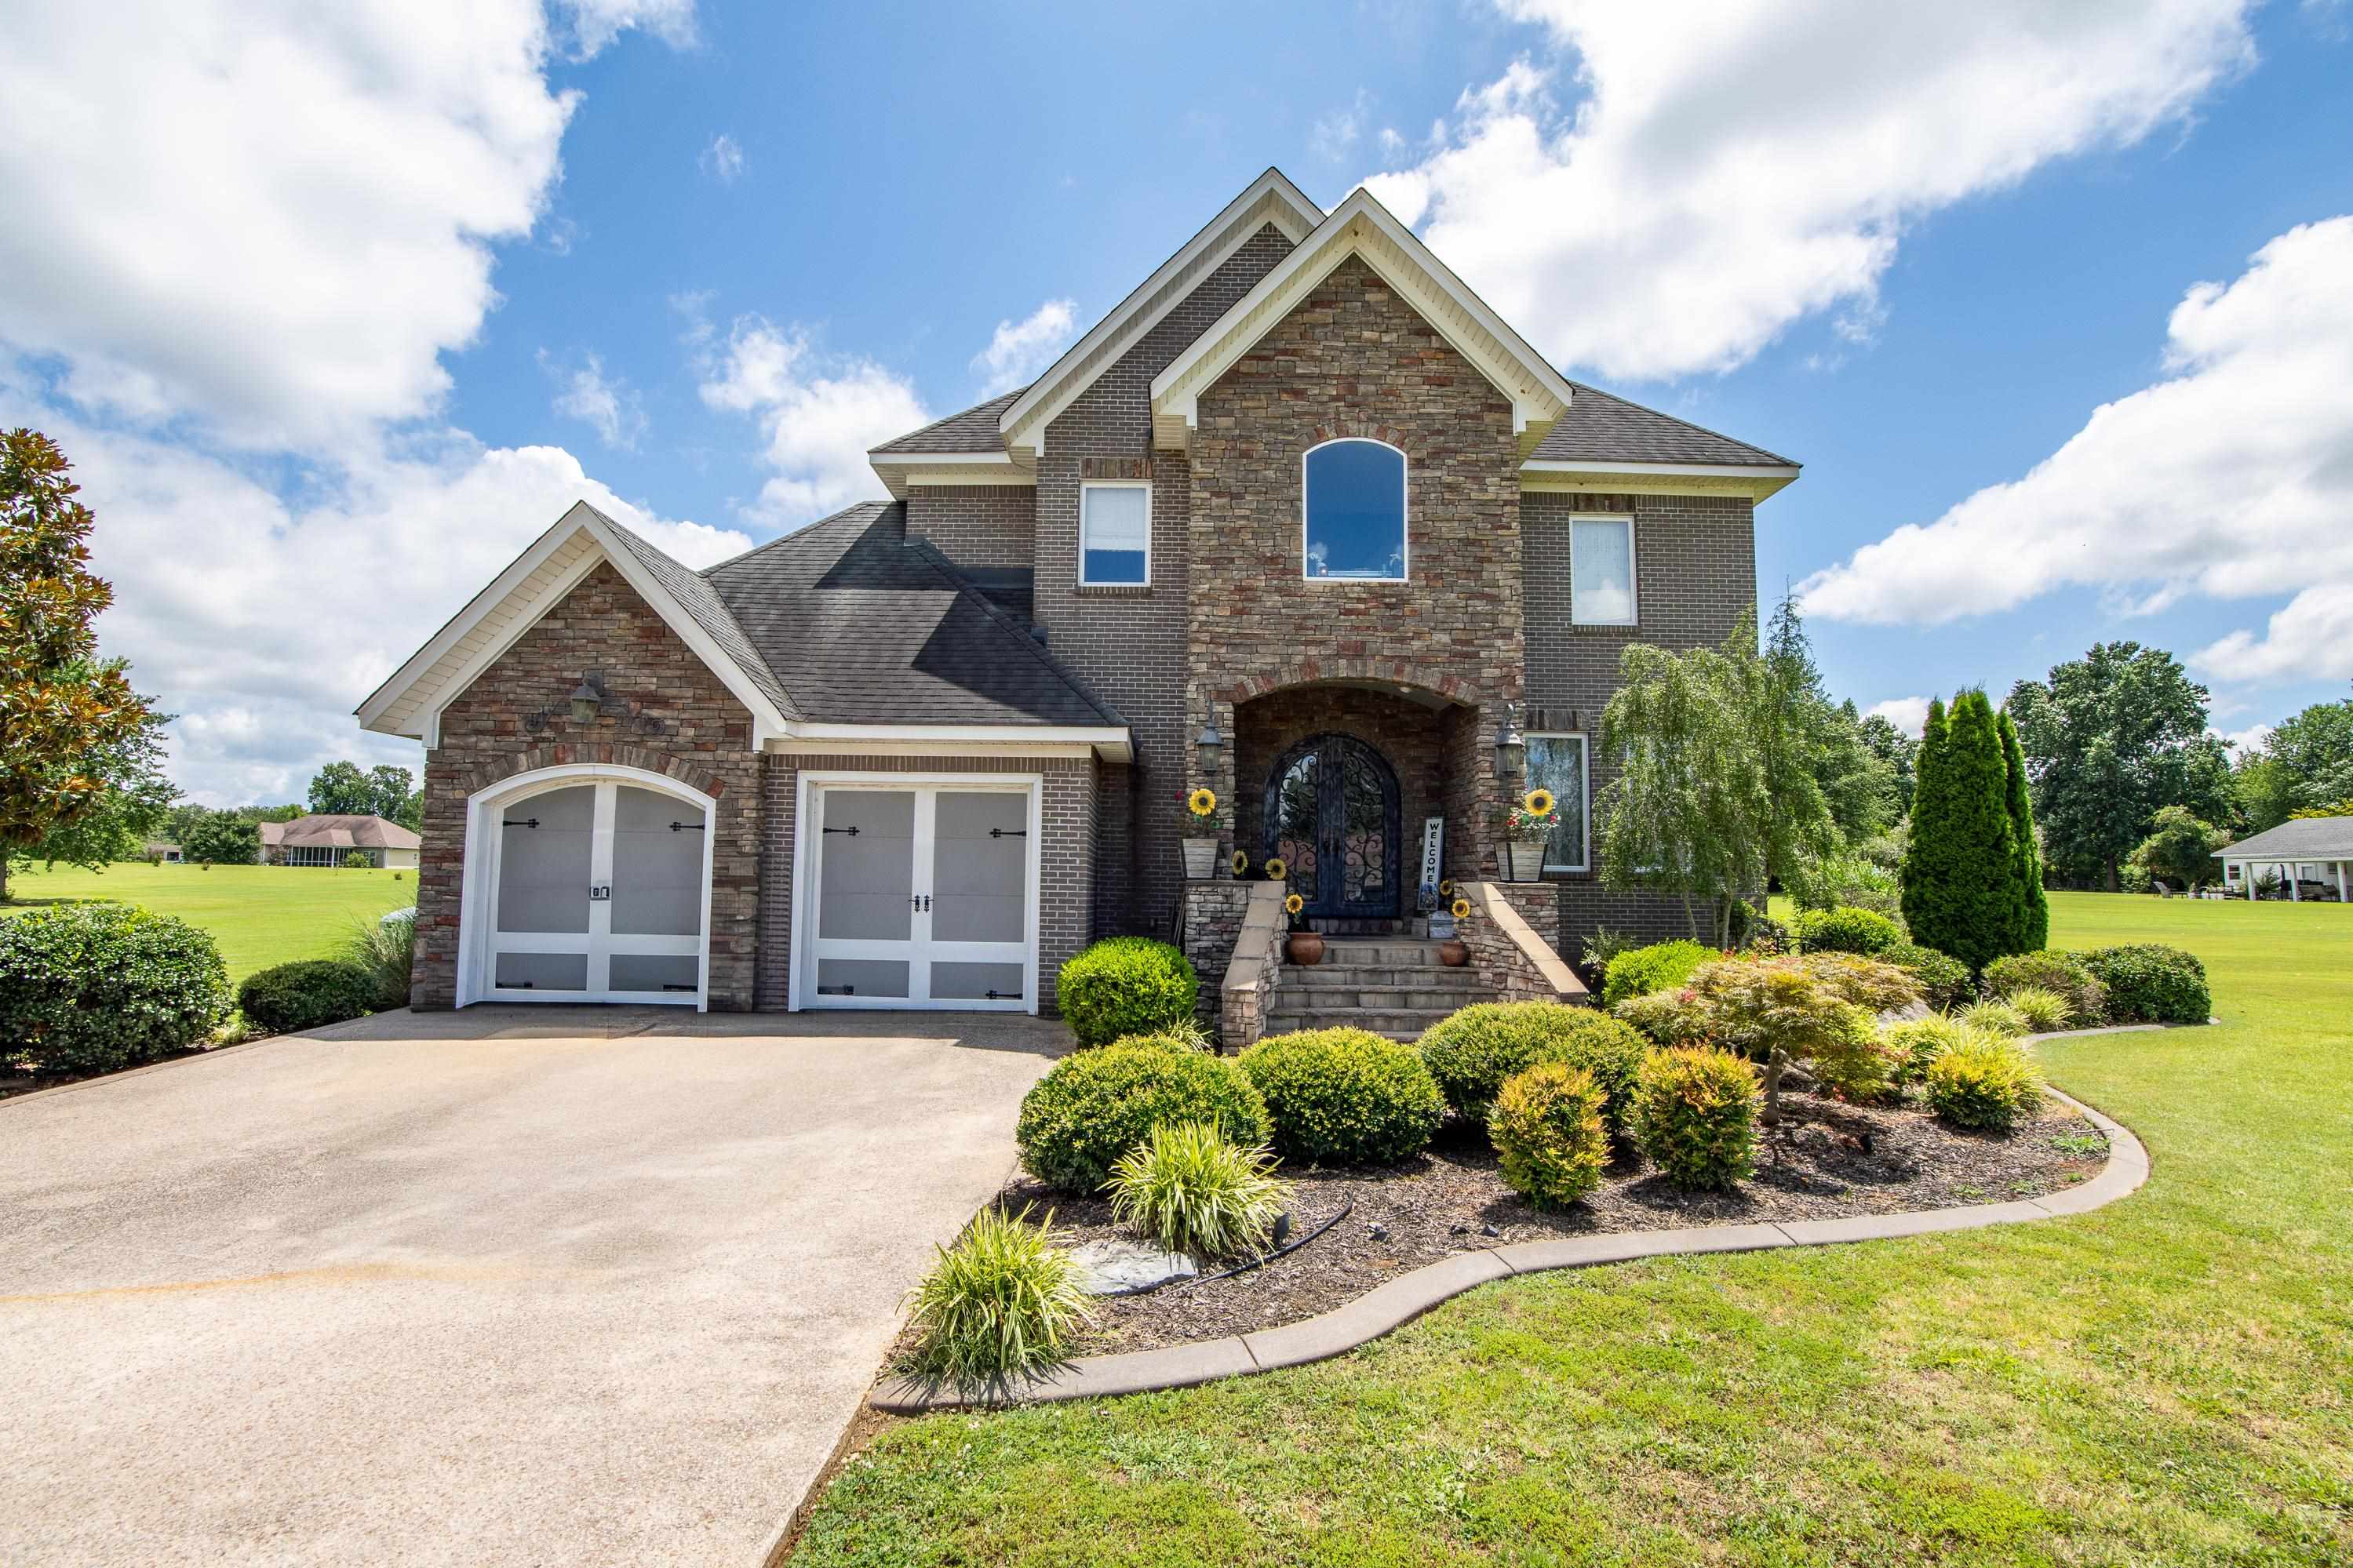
(975, 526)
(663, 711)
(1410, 736)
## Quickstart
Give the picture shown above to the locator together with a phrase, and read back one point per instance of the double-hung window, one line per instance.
(1601, 571)
(1557, 762)
(1115, 534)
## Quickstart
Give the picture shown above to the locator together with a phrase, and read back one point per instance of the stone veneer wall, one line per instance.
(663, 711)
(1355, 360)
(1695, 573)
(1065, 869)
(1411, 736)
(1128, 645)
(1213, 920)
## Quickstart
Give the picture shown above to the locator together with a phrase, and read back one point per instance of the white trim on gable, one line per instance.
(1271, 198)
(410, 702)
(1362, 227)
(1756, 481)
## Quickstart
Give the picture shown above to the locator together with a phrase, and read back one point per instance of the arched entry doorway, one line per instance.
(587, 884)
(1330, 813)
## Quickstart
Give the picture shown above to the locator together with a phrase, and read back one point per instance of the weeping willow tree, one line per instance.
(1717, 791)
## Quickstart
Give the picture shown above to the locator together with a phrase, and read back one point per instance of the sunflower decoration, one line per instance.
(1276, 870)
(1294, 905)
(1202, 803)
(1446, 889)
(1461, 909)
(1534, 815)
(1240, 861)
(1538, 802)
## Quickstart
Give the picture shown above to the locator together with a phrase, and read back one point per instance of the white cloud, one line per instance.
(723, 159)
(596, 23)
(1909, 714)
(1018, 350)
(2232, 477)
(1736, 166)
(2254, 738)
(1333, 135)
(608, 404)
(819, 413)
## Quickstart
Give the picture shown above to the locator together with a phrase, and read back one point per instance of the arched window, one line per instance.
(1354, 504)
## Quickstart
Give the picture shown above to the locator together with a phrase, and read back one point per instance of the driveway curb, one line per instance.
(1400, 1300)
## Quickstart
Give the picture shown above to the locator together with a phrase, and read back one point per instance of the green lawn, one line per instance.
(2167, 1381)
(259, 915)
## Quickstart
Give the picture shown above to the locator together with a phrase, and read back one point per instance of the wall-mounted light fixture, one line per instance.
(1511, 746)
(585, 699)
(1206, 746)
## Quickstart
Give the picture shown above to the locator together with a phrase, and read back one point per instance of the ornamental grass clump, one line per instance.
(1002, 1301)
(1344, 1096)
(1092, 1107)
(1472, 1051)
(1984, 1084)
(1193, 1190)
(2043, 1011)
(1917, 1043)
(1994, 1018)
(2050, 969)
(1695, 1117)
(1547, 1129)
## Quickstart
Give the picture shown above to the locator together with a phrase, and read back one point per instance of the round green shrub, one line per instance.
(1472, 1052)
(1094, 1106)
(1694, 1116)
(1847, 930)
(1943, 979)
(1125, 985)
(1983, 1084)
(1344, 1096)
(2152, 982)
(307, 993)
(2051, 970)
(1547, 1126)
(1654, 968)
(93, 987)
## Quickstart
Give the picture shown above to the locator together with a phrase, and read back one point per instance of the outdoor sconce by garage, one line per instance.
(585, 701)
(1511, 746)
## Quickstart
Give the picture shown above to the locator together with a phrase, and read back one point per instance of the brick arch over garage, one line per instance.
(487, 772)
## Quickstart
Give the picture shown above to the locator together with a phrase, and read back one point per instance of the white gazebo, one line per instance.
(2312, 850)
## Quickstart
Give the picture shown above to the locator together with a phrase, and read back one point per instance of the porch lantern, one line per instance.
(1511, 746)
(585, 699)
(1205, 747)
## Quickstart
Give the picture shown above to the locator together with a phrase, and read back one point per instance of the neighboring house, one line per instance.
(2311, 855)
(331, 840)
(1302, 519)
(159, 849)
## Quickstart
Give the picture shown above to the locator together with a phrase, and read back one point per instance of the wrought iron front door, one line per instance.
(1332, 817)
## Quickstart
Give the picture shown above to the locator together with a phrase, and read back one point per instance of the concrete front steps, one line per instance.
(1391, 986)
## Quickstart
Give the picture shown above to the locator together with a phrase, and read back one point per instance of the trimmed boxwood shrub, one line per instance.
(2152, 982)
(1125, 985)
(1653, 968)
(93, 987)
(1547, 1126)
(1344, 1096)
(1983, 1084)
(1694, 1115)
(1943, 979)
(1472, 1052)
(307, 993)
(1847, 930)
(1094, 1106)
(2052, 969)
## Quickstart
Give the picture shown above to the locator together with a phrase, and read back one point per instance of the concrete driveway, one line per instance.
(508, 1286)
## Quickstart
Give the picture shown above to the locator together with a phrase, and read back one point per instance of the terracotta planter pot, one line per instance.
(1454, 954)
(1200, 858)
(1304, 947)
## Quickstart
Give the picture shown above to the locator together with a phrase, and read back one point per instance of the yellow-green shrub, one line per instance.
(1546, 1127)
(1694, 1116)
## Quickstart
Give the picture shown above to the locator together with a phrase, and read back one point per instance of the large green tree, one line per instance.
(2109, 738)
(2307, 762)
(65, 713)
(134, 802)
(2180, 847)
(342, 789)
(1897, 751)
(222, 838)
(2025, 845)
(1960, 889)
(1822, 738)
(1717, 791)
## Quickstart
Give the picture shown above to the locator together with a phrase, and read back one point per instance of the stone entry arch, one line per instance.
(1329, 809)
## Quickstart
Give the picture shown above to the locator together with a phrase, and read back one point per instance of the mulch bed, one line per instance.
(1832, 1160)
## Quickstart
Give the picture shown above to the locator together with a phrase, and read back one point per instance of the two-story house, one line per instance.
(1302, 520)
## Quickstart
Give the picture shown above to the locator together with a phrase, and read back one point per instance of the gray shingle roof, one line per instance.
(1601, 427)
(863, 626)
(338, 832)
(2304, 838)
(974, 430)
(703, 603)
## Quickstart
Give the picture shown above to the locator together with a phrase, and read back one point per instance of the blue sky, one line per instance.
(679, 256)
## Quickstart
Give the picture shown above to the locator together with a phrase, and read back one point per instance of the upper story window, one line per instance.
(1353, 501)
(1115, 534)
(1601, 571)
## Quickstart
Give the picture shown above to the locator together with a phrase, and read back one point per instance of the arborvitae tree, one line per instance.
(2026, 856)
(1959, 882)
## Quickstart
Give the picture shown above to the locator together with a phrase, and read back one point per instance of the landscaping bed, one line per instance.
(1832, 1160)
